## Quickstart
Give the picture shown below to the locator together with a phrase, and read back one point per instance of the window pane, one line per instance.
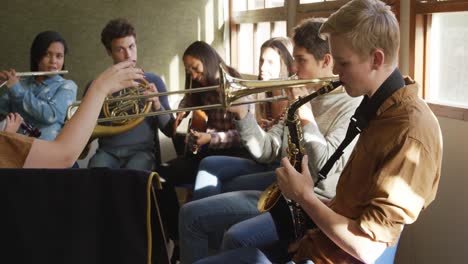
(263, 34)
(279, 29)
(313, 1)
(448, 66)
(245, 43)
(274, 3)
(255, 4)
(239, 5)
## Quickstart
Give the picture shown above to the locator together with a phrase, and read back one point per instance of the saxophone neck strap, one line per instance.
(361, 118)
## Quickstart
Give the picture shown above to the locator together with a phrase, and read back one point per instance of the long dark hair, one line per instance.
(40, 45)
(210, 59)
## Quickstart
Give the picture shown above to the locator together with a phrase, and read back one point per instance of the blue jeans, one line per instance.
(219, 174)
(137, 157)
(275, 253)
(203, 222)
(256, 232)
(241, 255)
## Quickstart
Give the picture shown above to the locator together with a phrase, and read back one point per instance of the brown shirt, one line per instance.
(392, 174)
(14, 149)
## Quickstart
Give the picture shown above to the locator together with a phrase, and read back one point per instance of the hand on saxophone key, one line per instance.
(293, 184)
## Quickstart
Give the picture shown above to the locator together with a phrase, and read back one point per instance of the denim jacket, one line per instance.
(41, 104)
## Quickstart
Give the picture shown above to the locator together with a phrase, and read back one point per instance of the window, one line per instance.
(243, 5)
(254, 21)
(448, 33)
(313, 1)
(439, 58)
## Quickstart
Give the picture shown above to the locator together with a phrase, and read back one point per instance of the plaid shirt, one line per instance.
(219, 124)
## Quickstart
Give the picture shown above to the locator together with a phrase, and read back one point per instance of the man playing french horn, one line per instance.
(137, 148)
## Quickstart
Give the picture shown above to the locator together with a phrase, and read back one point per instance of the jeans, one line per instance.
(274, 253)
(241, 255)
(256, 232)
(137, 157)
(203, 222)
(219, 174)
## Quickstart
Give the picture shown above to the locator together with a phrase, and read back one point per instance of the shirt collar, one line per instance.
(411, 90)
(369, 107)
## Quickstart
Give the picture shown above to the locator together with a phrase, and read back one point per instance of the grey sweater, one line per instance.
(332, 114)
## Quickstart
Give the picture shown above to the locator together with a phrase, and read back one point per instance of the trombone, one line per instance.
(38, 73)
(230, 89)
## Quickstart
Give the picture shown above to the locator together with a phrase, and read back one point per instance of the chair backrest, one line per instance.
(78, 216)
(388, 256)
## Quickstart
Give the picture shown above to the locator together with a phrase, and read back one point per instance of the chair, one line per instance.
(78, 216)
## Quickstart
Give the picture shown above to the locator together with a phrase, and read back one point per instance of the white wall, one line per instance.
(440, 234)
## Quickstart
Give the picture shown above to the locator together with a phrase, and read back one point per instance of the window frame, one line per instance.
(251, 16)
(420, 16)
(292, 12)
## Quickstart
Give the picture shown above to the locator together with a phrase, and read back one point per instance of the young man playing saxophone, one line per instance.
(394, 170)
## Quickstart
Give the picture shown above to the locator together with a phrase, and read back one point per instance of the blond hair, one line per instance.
(368, 25)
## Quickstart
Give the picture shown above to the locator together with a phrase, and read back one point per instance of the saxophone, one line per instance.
(290, 219)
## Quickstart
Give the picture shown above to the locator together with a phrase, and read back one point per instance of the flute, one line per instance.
(38, 73)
